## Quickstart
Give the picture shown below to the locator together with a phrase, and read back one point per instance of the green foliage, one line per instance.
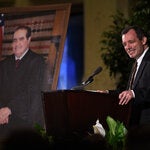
(116, 135)
(113, 53)
(115, 138)
(141, 15)
(41, 131)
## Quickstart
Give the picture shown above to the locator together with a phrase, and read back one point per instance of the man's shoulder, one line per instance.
(35, 55)
(7, 58)
(147, 55)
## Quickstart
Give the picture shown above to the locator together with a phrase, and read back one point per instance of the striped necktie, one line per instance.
(17, 63)
(133, 75)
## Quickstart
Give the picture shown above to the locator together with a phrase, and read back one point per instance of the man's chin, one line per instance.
(131, 56)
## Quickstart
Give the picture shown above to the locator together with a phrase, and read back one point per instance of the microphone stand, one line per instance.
(88, 81)
(81, 87)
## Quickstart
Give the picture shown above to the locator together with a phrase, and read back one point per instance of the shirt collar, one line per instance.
(139, 60)
(22, 55)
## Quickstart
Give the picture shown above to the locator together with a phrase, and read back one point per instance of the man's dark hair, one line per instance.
(28, 29)
(139, 31)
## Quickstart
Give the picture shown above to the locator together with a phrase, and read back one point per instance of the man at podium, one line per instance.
(135, 42)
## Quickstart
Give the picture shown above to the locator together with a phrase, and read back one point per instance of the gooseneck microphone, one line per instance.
(89, 79)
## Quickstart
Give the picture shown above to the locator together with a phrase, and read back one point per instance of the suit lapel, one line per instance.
(142, 66)
(139, 73)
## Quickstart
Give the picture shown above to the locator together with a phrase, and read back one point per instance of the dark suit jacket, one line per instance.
(141, 104)
(20, 90)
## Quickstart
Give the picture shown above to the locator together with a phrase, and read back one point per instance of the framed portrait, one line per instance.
(49, 26)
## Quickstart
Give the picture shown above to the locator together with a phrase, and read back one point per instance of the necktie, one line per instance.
(133, 75)
(17, 63)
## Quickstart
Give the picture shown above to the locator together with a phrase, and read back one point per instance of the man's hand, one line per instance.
(125, 97)
(4, 115)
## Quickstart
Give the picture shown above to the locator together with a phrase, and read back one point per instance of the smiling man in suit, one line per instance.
(135, 42)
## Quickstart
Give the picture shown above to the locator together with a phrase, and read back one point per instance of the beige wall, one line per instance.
(96, 20)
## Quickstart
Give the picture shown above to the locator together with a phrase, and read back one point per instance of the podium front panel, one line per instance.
(69, 111)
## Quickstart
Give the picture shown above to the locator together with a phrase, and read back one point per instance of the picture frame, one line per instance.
(49, 25)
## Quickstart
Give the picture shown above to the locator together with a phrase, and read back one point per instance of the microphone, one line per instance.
(89, 80)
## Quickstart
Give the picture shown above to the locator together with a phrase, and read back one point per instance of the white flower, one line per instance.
(98, 129)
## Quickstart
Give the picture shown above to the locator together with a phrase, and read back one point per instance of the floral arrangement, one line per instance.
(115, 136)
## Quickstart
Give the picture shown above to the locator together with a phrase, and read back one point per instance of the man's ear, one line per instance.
(29, 39)
(144, 40)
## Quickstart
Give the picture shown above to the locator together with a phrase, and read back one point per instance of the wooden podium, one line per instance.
(68, 111)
